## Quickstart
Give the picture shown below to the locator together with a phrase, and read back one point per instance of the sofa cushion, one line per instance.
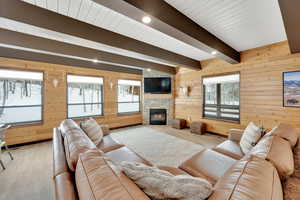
(67, 125)
(249, 179)
(278, 151)
(208, 164)
(230, 148)
(250, 137)
(75, 142)
(160, 184)
(286, 132)
(124, 154)
(108, 144)
(93, 130)
(98, 178)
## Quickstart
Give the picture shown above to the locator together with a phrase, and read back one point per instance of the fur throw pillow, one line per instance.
(250, 137)
(159, 184)
(93, 130)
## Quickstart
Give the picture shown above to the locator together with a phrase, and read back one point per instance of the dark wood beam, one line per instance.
(52, 59)
(291, 17)
(42, 44)
(170, 21)
(33, 15)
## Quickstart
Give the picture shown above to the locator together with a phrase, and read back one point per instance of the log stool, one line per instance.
(197, 127)
(178, 123)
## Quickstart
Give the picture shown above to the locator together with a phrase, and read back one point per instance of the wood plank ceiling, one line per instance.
(242, 24)
(92, 13)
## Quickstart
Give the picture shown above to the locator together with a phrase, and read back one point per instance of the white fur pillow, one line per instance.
(250, 137)
(161, 184)
(93, 130)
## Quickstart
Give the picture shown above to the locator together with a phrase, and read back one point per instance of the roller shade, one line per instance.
(232, 78)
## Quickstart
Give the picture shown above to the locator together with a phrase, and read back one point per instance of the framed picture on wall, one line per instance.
(291, 89)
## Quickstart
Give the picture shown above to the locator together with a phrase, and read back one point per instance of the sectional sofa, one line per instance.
(85, 171)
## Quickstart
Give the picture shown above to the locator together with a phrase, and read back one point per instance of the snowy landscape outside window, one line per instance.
(85, 96)
(20, 97)
(129, 95)
(222, 97)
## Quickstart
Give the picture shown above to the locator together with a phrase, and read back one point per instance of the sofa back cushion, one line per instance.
(75, 142)
(286, 132)
(278, 151)
(250, 178)
(98, 178)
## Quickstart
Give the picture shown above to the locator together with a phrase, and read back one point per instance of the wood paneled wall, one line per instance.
(55, 105)
(261, 92)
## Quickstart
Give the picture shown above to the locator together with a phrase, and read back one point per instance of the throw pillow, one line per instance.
(250, 137)
(93, 130)
(159, 184)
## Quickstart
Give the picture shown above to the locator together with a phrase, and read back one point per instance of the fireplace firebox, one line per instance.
(158, 116)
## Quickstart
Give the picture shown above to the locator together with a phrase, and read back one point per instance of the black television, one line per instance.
(161, 85)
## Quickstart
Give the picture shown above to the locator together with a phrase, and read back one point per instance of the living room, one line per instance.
(149, 99)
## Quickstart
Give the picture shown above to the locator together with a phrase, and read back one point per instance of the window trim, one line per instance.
(28, 123)
(231, 120)
(140, 98)
(102, 97)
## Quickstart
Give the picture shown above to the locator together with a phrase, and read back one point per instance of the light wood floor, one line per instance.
(29, 175)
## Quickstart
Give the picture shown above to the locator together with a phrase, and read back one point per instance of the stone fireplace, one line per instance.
(158, 101)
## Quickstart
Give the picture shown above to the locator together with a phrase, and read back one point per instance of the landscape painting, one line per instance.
(291, 89)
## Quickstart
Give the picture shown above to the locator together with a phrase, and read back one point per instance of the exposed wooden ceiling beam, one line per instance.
(170, 21)
(52, 59)
(291, 17)
(33, 15)
(42, 44)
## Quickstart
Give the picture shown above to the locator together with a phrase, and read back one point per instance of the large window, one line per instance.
(20, 97)
(129, 95)
(85, 96)
(222, 97)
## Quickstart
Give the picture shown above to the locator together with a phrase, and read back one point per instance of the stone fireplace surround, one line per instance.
(158, 101)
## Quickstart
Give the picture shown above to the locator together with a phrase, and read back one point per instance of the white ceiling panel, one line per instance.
(242, 24)
(61, 37)
(93, 13)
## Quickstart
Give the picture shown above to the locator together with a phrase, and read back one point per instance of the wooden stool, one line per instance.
(198, 127)
(178, 123)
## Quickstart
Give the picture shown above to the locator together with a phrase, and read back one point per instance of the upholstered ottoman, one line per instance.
(197, 127)
(178, 123)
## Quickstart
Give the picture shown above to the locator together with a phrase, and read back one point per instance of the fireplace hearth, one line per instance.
(158, 116)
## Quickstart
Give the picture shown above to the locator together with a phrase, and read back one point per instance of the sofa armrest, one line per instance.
(105, 129)
(235, 135)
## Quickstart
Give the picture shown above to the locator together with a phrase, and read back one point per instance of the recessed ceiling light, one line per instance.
(146, 19)
(95, 61)
(214, 52)
(148, 70)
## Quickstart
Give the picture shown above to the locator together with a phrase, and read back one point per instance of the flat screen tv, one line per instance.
(160, 85)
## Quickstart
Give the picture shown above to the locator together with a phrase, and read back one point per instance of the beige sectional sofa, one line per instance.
(85, 171)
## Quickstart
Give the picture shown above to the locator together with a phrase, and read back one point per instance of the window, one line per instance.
(222, 97)
(129, 93)
(85, 96)
(20, 97)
